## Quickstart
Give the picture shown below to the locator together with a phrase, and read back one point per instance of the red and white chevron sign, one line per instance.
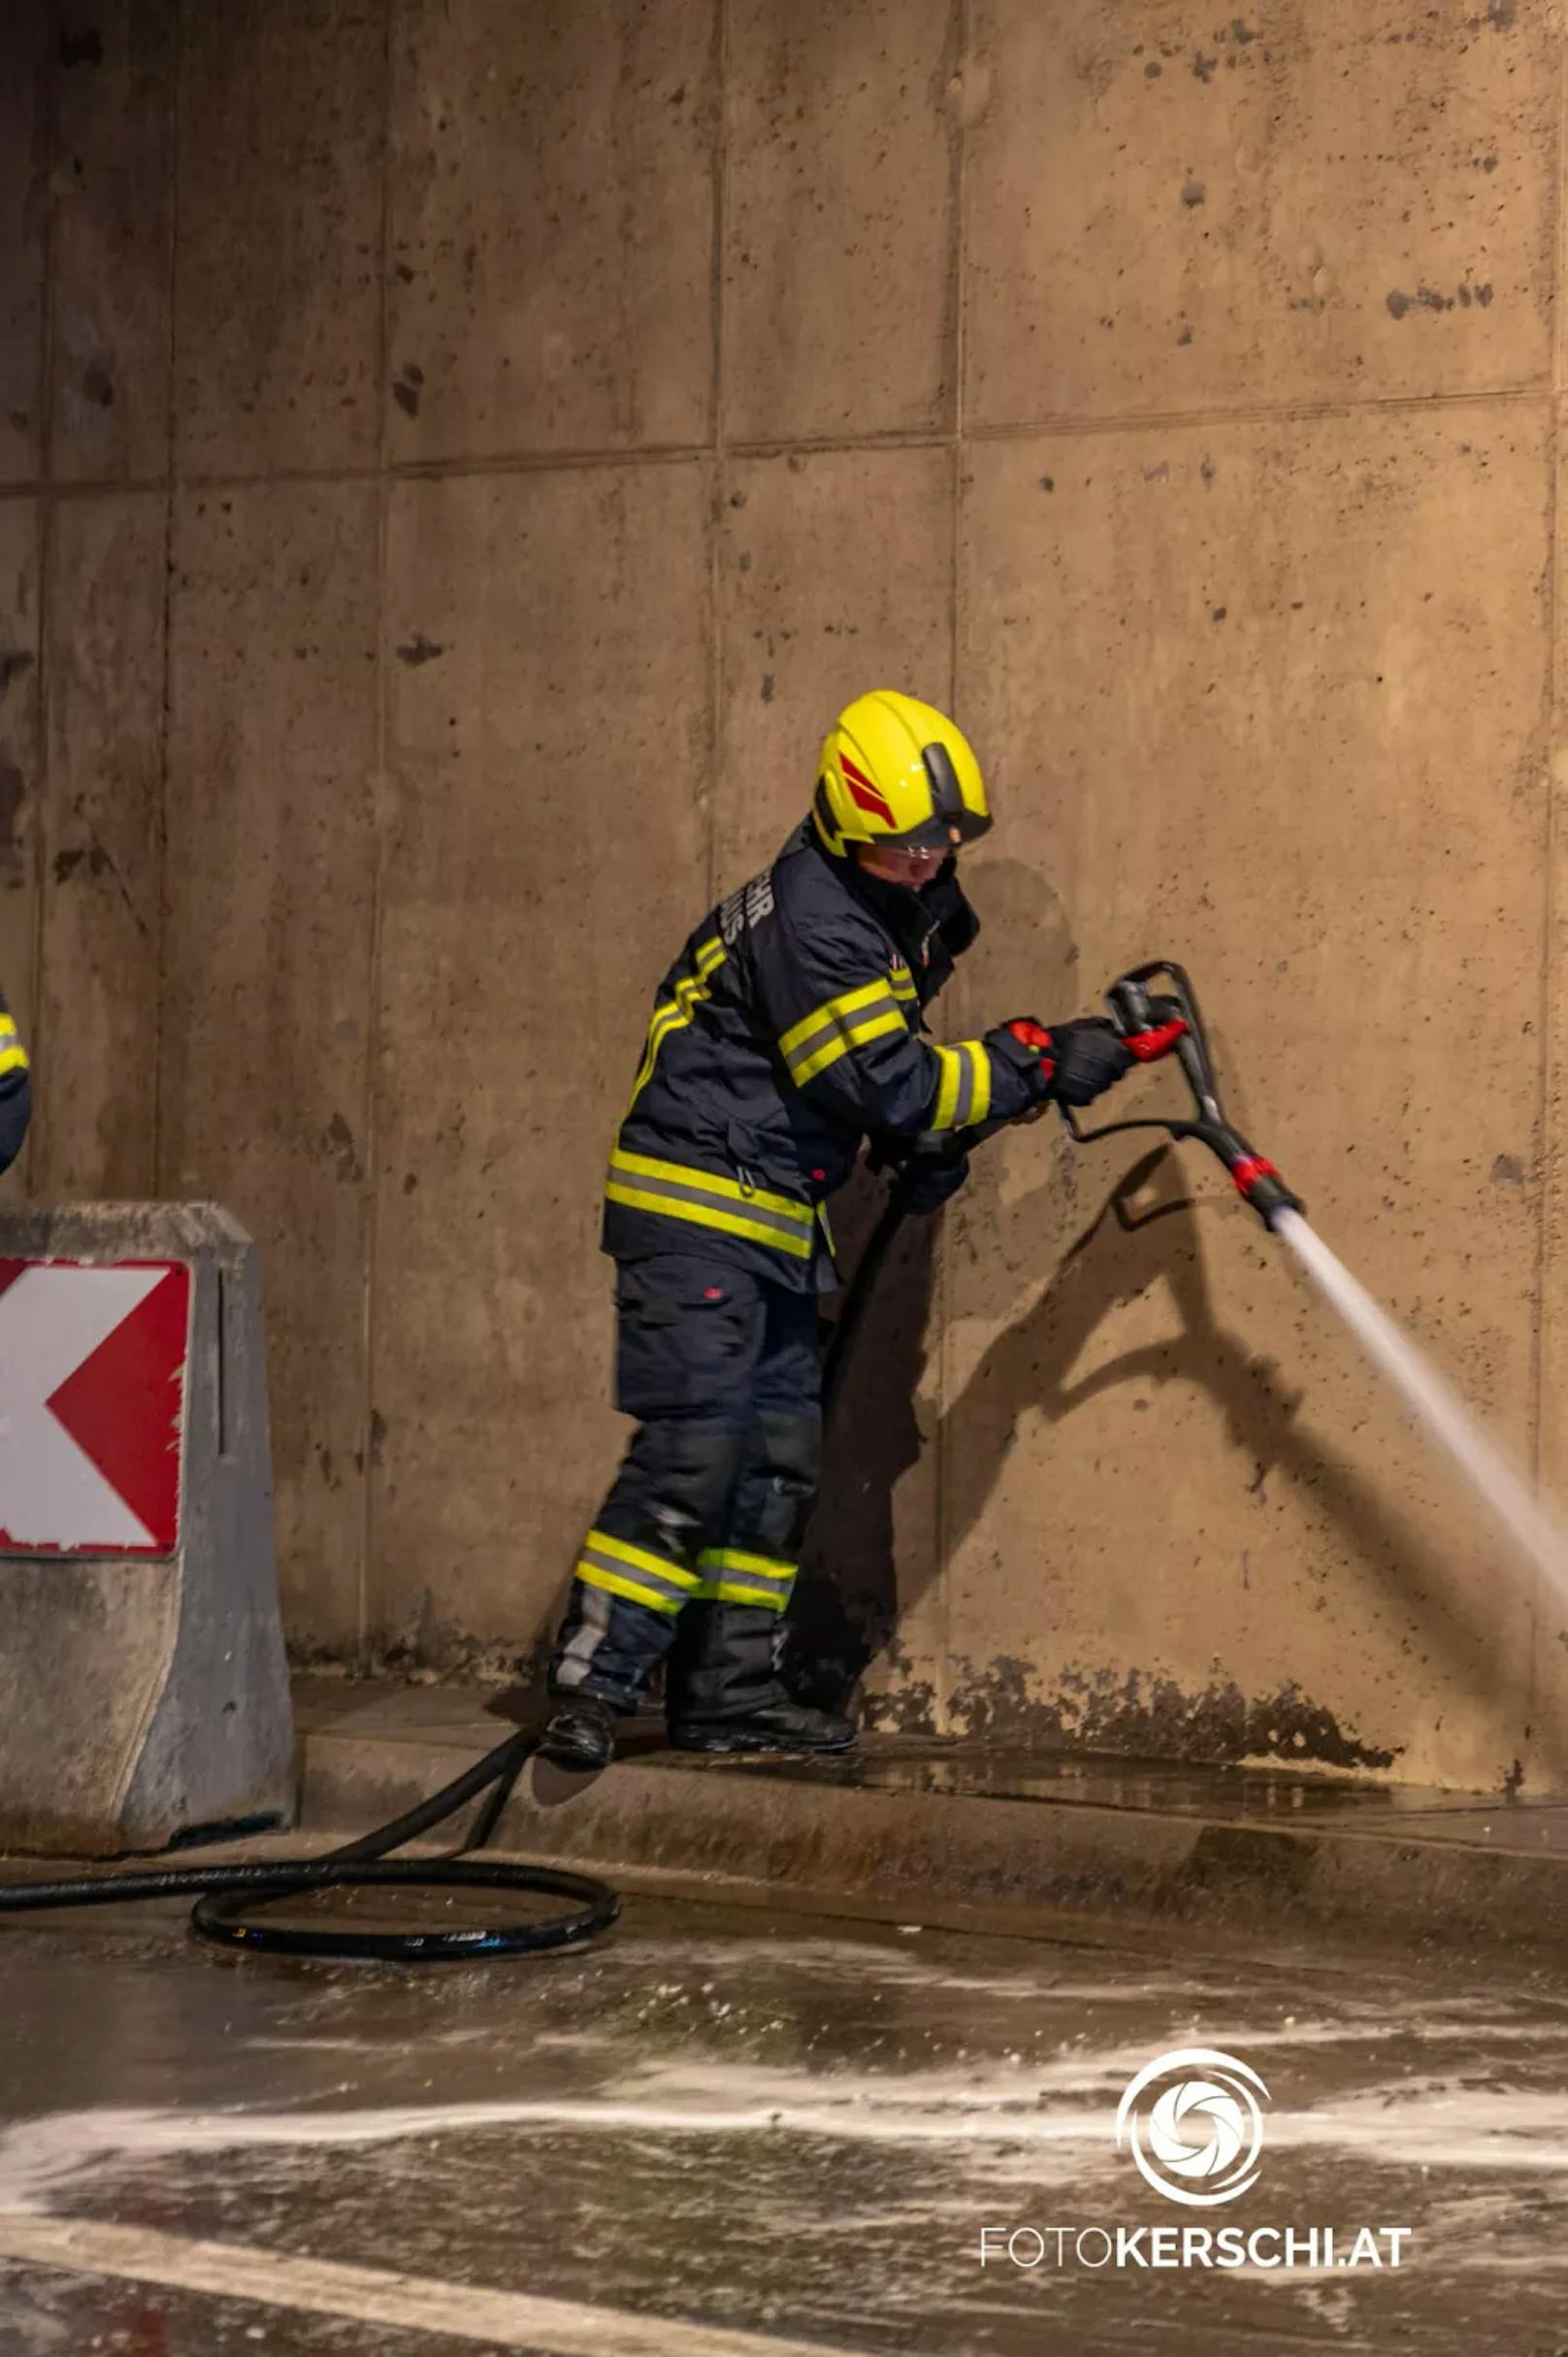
(92, 1390)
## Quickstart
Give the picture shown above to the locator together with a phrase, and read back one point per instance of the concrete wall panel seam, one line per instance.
(962, 34)
(719, 482)
(1287, 412)
(1549, 1460)
(24, 200)
(39, 784)
(370, 1099)
(21, 768)
(169, 487)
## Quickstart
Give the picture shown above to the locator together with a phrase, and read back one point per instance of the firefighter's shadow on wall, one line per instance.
(1147, 1230)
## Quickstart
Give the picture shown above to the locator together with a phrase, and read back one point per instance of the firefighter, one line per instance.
(16, 1089)
(789, 1029)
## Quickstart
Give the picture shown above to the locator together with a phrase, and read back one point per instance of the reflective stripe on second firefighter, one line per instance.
(624, 1570)
(13, 1055)
(732, 1576)
(681, 1192)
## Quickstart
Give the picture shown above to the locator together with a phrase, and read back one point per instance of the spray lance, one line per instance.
(1153, 1026)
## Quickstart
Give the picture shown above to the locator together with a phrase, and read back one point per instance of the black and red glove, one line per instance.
(1073, 1063)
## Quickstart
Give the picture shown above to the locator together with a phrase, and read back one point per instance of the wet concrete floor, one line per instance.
(721, 2132)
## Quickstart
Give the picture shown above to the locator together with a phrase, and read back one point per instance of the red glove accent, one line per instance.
(1149, 1046)
(1029, 1035)
(1249, 1170)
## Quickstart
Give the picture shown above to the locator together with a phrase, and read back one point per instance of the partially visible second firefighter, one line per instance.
(789, 1029)
(16, 1089)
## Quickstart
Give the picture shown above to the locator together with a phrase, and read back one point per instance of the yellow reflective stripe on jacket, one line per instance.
(979, 1056)
(710, 1182)
(831, 1029)
(674, 1014)
(864, 1028)
(845, 1004)
(901, 984)
(678, 1191)
(963, 1091)
(703, 1215)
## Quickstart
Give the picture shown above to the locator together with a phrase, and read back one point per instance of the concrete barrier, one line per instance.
(143, 1686)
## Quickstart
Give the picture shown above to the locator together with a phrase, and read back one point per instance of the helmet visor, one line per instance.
(951, 815)
(937, 833)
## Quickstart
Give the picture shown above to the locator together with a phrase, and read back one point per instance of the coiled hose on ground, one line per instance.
(230, 1894)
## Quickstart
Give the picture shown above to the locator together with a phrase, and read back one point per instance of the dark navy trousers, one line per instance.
(709, 1506)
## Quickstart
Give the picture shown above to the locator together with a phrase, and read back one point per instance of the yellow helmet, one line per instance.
(894, 770)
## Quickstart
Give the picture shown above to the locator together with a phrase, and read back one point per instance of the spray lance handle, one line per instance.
(1157, 1026)
(1159, 1040)
(1154, 1024)
(1150, 1027)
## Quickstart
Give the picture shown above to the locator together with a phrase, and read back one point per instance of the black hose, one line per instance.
(230, 1894)
(868, 1268)
(850, 1319)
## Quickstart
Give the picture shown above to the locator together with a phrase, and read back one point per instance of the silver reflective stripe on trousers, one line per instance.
(577, 1661)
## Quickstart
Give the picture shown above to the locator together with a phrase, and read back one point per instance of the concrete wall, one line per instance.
(455, 456)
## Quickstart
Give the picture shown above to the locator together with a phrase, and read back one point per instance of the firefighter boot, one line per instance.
(725, 1693)
(580, 1735)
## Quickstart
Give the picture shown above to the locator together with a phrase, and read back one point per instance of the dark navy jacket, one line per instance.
(788, 1029)
(16, 1092)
